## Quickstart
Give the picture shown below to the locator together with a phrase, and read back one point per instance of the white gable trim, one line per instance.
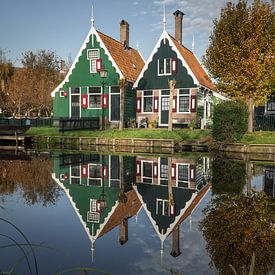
(162, 236)
(165, 35)
(85, 226)
(91, 32)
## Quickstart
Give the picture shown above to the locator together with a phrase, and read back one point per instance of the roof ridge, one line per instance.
(180, 44)
(128, 47)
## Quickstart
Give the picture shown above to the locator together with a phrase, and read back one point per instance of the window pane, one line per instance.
(148, 93)
(95, 90)
(76, 171)
(94, 182)
(95, 101)
(184, 91)
(94, 171)
(159, 207)
(93, 54)
(93, 66)
(147, 169)
(168, 65)
(75, 90)
(161, 66)
(148, 104)
(183, 172)
(184, 104)
(115, 90)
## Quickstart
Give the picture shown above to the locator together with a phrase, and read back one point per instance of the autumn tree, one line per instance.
(6, 72)
(29, 90)
(234, 228)
(43, 72)
(240, 56)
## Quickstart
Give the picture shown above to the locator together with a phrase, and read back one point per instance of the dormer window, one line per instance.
(93, 55)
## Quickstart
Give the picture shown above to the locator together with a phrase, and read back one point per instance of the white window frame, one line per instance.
(94, 108)
(141, 171)
(61, 93)
(153, 102)
(159, 178)
(159, 74)
(89, 178)
(177, 175)
(163, 207)
(75, 177)
(178, 100)
(93, 60)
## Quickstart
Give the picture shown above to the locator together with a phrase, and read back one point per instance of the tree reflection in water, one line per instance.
(33, 177)
(236, 226)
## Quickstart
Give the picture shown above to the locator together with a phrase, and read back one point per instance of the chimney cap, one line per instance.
(178, 12)
(124, 22)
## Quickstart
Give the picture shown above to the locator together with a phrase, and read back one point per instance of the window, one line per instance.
(163, 171)
(271, 103)
(75, 90)
(162, 207)
(183, 175)
(94, 174)
(95, 97)
(75, 174)
(93, 55)
(148, 101)
(164, 66)
(184, 101)
(147, 172)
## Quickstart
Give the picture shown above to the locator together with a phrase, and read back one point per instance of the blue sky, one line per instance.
(62, 25)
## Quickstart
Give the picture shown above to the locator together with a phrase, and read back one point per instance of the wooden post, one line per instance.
(171, 202)
(250, 115)
(172, 85)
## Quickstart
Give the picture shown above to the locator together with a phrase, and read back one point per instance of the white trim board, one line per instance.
(83, 47)
(165, 35)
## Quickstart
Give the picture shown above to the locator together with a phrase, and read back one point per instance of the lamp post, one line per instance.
(103, 75)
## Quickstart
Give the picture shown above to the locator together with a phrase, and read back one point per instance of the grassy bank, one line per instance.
(177, 134)
(259, 138)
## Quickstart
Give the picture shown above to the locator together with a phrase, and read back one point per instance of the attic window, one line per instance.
(93, 55)
(162, 207)
(164, 66)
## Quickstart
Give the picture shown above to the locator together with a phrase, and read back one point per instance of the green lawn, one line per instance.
(177, 134)
(259, 138)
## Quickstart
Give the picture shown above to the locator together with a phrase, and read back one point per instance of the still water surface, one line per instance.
(119, 214)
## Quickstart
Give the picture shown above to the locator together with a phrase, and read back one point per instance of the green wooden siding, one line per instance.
(81, 77)
(151, 80)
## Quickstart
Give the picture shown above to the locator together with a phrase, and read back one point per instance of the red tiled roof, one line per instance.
(129, 209)
(194, 65)
(128, 60)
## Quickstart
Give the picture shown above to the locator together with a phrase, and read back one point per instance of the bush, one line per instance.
(229, 121)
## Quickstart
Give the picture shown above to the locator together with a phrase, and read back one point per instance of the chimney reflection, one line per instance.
(105, 191)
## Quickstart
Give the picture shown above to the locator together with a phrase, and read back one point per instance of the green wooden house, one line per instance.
(91, 87)
(194, 95)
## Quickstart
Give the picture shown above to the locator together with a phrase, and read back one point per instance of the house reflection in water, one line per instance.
(100, 191)
(169, 190)
(105, 191)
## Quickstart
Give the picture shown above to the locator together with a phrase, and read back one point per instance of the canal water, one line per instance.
(84, 213)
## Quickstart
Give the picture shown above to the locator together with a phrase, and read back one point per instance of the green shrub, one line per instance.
(229, 121)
